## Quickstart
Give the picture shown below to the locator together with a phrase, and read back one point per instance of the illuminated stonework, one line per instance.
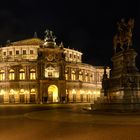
(37, 71)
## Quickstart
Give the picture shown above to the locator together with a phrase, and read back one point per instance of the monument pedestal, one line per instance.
(122, 90)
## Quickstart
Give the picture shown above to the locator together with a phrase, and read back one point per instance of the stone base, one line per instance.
(116, 107)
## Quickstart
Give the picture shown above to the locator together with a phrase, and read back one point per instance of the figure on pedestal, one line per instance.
(121, 91)
(124, 35)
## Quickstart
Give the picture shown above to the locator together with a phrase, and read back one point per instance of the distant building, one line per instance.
(40, 71)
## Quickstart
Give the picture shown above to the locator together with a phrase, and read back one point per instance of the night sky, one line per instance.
(87, 26)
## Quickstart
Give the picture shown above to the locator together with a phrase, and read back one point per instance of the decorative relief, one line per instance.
(50, 57)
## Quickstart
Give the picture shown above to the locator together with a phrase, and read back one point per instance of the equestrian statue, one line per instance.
(124, 35)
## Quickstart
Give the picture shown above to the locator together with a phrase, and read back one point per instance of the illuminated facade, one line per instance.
(40, 71)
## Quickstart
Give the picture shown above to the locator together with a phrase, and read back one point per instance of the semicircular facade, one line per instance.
(37, 71)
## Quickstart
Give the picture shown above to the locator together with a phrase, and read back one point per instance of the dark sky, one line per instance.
(87, 26)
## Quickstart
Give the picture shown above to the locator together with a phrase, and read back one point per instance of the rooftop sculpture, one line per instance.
(49, 36)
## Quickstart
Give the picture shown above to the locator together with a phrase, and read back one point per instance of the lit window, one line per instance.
(22, 91)
(93, 77)
(2, 75)
(12, 91)
(32, 90)
(86, 77)
(24, 52)
(11, 74)
(22, 74)
(66, 76)
(32, 74)
(51, 72)
(73, 76)
(2, 92)
(80, 76)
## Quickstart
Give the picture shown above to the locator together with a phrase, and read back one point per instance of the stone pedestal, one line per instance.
(122, 89)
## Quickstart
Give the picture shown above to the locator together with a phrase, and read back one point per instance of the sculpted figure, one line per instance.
(124, 34)
(49, 36)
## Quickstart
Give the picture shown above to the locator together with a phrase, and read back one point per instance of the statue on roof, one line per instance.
(49, 36)
(61, 45)
(35, 35)
(124, 34)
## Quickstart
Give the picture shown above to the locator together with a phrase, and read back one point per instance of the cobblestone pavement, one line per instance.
(70, 123)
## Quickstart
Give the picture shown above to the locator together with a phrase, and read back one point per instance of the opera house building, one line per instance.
(41, 71)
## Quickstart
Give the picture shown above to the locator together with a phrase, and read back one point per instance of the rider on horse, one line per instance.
(124, 35)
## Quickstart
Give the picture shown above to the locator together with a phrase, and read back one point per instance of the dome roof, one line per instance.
(31, 41)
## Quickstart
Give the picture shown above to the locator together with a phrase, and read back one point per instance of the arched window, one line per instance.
(11, 74)
(33, 96)
(80, 76)
(22, 91)
(33, 91)
(22, 74)
(2, 75)
(52, 72)
(66, 74)
(86, 77)
(32, 74)
(92, 77)
(73, 76)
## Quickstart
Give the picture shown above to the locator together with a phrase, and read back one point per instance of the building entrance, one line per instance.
(21, 98)
(11, 99)
(53, 94)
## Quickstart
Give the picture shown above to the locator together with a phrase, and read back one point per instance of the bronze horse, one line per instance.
(124, 36)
